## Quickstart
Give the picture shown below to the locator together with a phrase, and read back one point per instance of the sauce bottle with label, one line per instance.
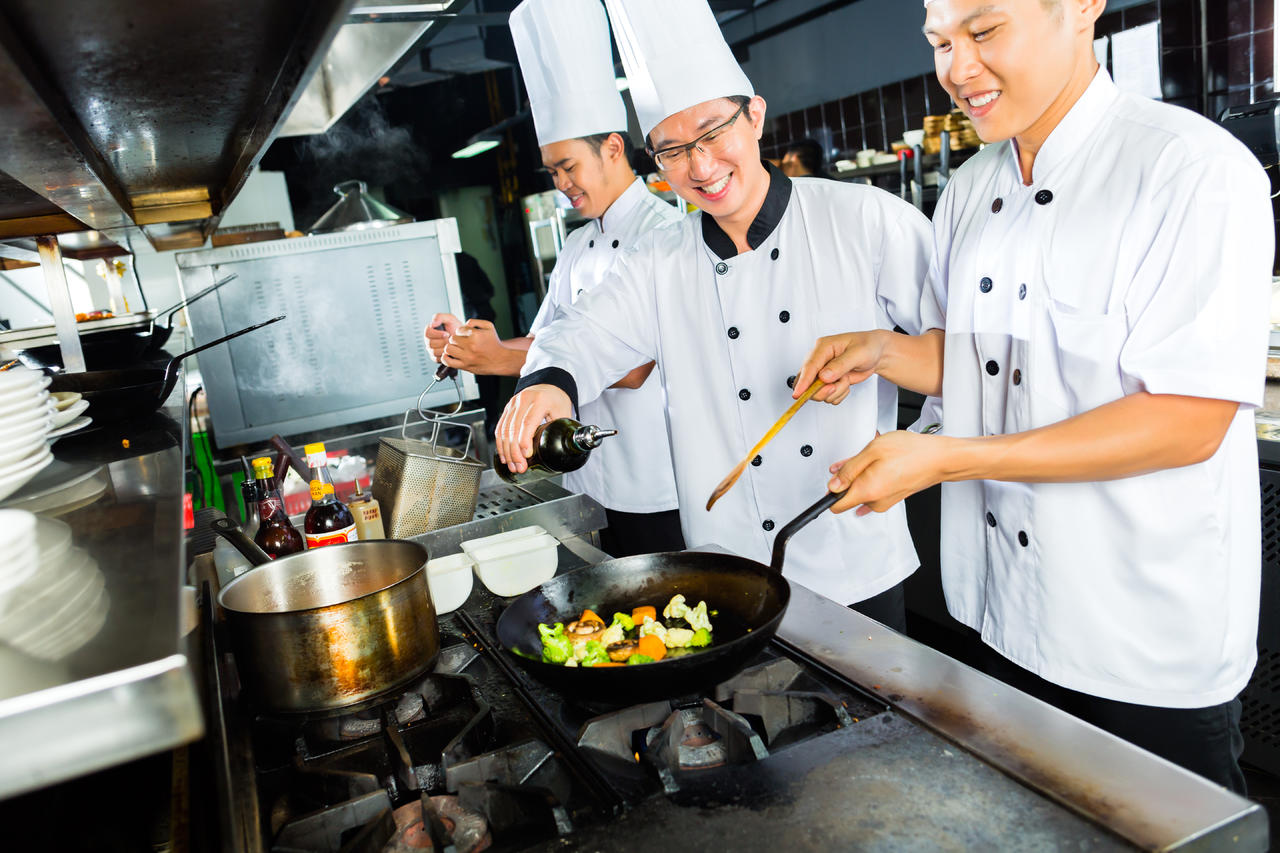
(559, 446)
(328, 521)
(368, 513)
(276, 534)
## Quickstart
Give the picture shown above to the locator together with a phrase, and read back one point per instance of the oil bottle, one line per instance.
(276, 534)
(559, 446)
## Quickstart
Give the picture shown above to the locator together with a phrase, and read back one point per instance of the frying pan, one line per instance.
(750, 597)
(134, 391)
(116, 348)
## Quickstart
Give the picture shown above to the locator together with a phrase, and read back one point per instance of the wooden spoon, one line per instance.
(727, 483)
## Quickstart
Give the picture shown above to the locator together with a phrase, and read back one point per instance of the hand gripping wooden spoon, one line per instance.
(727, 483)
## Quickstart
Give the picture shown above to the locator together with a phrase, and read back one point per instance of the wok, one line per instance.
(330, 628)
(133, 391)
(750, 597)
(109, 349)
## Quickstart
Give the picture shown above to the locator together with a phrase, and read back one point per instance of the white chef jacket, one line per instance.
(729, 330)
(631, 472)
(1138, 259)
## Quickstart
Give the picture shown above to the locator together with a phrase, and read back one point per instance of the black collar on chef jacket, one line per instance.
(775, 204)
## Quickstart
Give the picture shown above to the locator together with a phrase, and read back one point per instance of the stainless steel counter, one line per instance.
(129, 691)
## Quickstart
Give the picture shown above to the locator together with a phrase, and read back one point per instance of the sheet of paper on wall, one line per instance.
(1135, 60)
(1100, 50)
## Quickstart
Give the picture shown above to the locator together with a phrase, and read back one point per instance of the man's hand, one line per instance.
(891, 468)
(524, 413)
(841, 361)
(476, 348)
(436, 337)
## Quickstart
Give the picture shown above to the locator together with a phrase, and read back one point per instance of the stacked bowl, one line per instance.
(26, 419)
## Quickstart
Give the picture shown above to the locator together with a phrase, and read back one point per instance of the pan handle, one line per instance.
(794, 525)
(203, 293)
(171, 369)
(229, 530)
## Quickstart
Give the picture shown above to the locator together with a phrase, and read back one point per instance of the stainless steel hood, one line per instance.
(144, 118)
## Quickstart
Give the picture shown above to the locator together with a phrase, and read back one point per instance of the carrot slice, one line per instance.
(590, 614)
(605, 663)
(639, 613)
(652, 646)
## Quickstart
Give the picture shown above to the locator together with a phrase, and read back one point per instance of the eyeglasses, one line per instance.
(712, 142)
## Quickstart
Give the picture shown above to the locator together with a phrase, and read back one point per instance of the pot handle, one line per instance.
(794, 525)
(229, 530)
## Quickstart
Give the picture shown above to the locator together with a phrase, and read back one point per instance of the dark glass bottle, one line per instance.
(559, 446)
(276, 534)
(328, 521)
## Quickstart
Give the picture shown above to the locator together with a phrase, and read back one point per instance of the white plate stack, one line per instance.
(26, 419)
(68, 416)
(61, 602)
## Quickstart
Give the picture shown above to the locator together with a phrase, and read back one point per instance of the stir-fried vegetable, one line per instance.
(636, 639)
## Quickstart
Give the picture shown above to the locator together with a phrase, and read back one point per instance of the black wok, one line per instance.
(136, 391)
(160, 334)
(750, 597)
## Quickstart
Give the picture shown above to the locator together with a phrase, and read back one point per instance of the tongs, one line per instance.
(727, 483)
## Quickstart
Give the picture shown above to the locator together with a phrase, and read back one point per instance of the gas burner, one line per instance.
(440, 823)
(362, 724)
(701, 738)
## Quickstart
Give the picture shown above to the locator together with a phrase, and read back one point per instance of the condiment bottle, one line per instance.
(276, 534)
(559, 446)
(368, 513)
(227, 559)
(328, 521)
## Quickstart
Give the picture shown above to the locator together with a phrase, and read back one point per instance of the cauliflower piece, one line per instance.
(697, 616)
(655, 628)
(615, 633)
(675, 608)
(678, 638)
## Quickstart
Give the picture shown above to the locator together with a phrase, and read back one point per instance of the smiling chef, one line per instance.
(1103, 277)
(580, 119)
(727, 301)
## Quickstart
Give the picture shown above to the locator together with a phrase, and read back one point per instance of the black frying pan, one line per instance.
(750, 597)
(132, 392)
(160, 334)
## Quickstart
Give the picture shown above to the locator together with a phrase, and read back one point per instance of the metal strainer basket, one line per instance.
(423, 484)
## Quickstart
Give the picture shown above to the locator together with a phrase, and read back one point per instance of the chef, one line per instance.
(580, 119)
(727, 301)
(1102, 275)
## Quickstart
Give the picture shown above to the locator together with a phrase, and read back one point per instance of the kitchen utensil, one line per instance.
(750, 599)
(450, 579)
(332, 627)
(727, 483)
(356, 210)
(160, 334)
(516, 566)
(132, 392)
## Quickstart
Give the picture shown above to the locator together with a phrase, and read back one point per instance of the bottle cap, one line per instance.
(315, 453)
(262, 467)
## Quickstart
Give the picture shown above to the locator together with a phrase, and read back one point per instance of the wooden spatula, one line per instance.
(727, 483)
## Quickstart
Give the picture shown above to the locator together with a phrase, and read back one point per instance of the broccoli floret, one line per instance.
(595, 653)
(556, 647)
(634, 659)
(701, 637)
(624, 620)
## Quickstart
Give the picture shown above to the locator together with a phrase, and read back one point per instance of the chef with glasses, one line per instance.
(728, 301)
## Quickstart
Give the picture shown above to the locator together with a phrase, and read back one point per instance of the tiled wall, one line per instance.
(1214, 53)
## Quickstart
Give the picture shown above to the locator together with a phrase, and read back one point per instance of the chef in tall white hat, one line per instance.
(1102, 273)
(580, 119)
(728, 301)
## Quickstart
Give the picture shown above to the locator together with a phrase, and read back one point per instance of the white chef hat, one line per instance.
(567, 63)
(675, 57)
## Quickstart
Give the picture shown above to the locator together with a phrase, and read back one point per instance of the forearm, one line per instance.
(913, 362)
(1134, 435)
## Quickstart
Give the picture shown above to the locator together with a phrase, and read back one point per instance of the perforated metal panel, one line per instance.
(1260, 701)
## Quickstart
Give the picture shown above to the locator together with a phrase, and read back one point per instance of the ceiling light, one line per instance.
(478, 146)
(622, 83)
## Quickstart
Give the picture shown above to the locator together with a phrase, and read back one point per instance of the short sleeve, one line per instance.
(1197, 308)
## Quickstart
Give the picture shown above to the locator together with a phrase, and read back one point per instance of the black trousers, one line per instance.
(631, 533)
(1206, 741)
(888, 608)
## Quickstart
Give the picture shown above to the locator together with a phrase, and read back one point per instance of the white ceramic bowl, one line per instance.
(499, 538)
(64, 416)
(17, 529)
(25, 410)
(913, 137)
(19, 428)
(13, 454)
(66, 399)
(516, 566)
(450, 579)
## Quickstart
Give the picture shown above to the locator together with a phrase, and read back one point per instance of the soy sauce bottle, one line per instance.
(559, 446)
(328, 521)
(276, 534)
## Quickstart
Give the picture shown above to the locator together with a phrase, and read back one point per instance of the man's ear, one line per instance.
(615, 147)
(1087, 12)
(757, 107)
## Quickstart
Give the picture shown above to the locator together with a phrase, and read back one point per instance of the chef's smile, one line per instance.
(981, 103)
(715, 190)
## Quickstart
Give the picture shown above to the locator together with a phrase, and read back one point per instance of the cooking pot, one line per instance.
(330, 628)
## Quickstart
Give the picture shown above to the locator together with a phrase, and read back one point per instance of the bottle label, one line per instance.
(332, 537)
(368, 513)
(269, 506)
(319, 489)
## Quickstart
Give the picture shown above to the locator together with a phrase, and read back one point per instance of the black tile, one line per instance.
(1263, 91)
(1109, 24)
(812, 120)
(1264, 45)
(894, 125)
(913, 100)
(1239, 16)
(873, 137)
(831, 116)
(1219, 54)
(1180, 23)
(939, 102)
(891, 102)
(1185, 103)
(1216, 102)
(915, 121)
(1136, 16)
(1180, 72)
(1263, 15)
(871, 106)
(851, 112)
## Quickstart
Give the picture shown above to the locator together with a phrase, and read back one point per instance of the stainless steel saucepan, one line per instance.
(329, 628)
